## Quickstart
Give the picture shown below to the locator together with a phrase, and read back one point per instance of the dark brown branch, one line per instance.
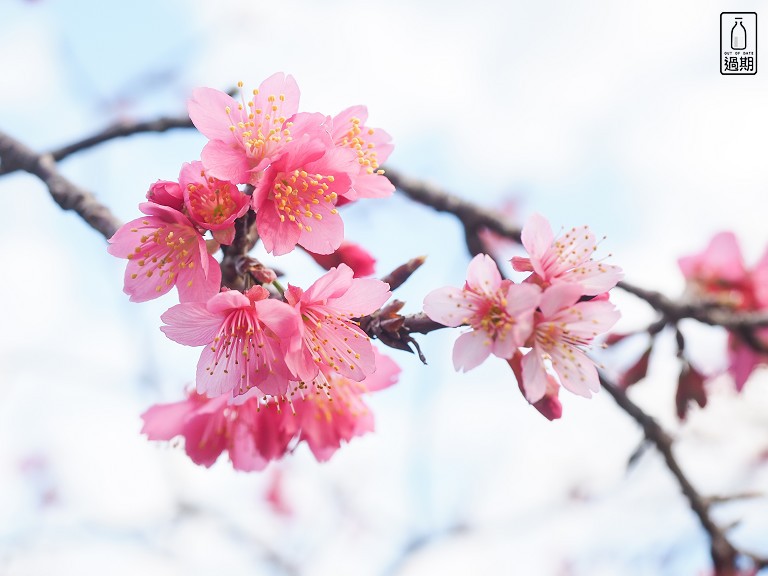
(724, 554)
(472, 216)
(17, 156)
(119, 130)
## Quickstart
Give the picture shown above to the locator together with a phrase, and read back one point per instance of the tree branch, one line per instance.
(17, 156)
(119, 130)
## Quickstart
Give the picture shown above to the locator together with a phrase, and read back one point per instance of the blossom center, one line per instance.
(298, 194)
(163, 251)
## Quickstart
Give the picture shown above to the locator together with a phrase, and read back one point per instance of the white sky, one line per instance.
(611, 114)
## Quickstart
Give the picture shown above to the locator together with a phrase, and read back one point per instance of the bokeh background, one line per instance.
(611, 114)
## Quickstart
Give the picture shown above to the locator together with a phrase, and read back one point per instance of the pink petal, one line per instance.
(483, 275)
(742, 361)
(721, 259)
(386, 374)
(576, 372)
(449, 306)
(537, 237)
(366, 295)
(332, 284)
(535, 378)
(279, 237)
(195, 285)
(470, 350)
(166, 421)
(225, 236)
(207, 110)
(226, 160)
(326, 235)
(559, 296)
(190, 324)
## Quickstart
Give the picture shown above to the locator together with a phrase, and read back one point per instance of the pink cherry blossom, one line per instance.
(353, 255)
(331, 337)
(247, 337)
(295, 199)
(254, 432)
(249, 432)
(212, 204)
(567, 258)
(499, 312)
(164, 249)
(718, 275)
(563, 328)
(244, 137)
(325, 422)
(371, 147)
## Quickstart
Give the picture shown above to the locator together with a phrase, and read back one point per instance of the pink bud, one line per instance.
(351, 254)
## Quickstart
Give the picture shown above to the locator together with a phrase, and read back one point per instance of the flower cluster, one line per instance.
(556, 313)
(718, 276)
(269, 172)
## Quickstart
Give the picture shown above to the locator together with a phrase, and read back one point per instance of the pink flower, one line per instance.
(164, 249)
(249, 432)
(371, 147)
(564, 259)
(499, 312)
(331, 337)
(244, 136)
(324, 423)
(254, 432)
(247, 337)
(295, 199)
(351, 254)
(718, 275)
(212, 204)
(563, 329)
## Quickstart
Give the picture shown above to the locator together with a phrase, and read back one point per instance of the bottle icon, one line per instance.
(738, 36)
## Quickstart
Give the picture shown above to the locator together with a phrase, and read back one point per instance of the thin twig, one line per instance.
(118, 130)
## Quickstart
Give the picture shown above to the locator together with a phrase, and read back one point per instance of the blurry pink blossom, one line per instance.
(719, 276)
(255, 432)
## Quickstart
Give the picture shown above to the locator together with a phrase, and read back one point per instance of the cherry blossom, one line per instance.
(295, 199)
(244, 136)
(248, 339)
(499, 312)
(164, 249)
(256, 432)
(371, 147)
(567, 258)
(332, 339)
(564, 328)
(212, 204)
(719, 275)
